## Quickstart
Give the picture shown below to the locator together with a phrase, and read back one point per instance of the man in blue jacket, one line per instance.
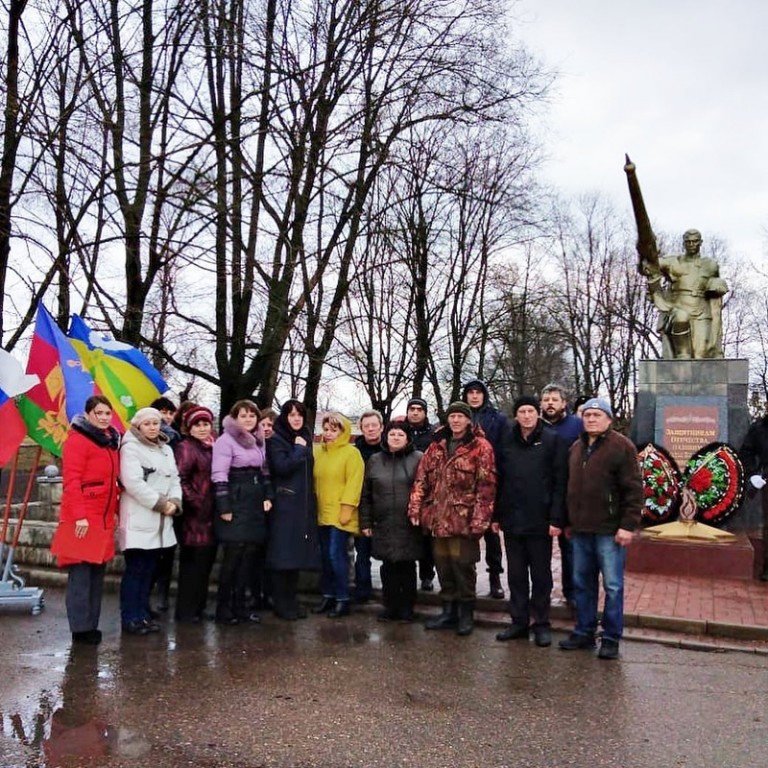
(496, 427)
(554, 411)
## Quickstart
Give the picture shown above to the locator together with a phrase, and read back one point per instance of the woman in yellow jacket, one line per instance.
(338, 474)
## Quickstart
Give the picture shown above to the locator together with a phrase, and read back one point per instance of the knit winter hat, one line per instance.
(145, 414)
(599, 404)
(459, 407)
(526, 400)
(417, 401)
(195, 414)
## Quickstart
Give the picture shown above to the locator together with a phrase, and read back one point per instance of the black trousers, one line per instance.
(195, 564)
(529, 555)
(426, 561)
(164, 570)
(235, 577)
(84, 589)
(285, 587)
(455, 560)
(398, 586)
(566, 566)
(493, 559)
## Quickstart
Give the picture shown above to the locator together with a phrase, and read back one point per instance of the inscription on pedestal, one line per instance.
(685, 424)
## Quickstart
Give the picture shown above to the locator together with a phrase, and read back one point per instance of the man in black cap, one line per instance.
(423, 434)
(531, 513)
(495, 426)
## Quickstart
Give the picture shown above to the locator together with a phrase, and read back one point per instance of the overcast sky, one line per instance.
(681, 86)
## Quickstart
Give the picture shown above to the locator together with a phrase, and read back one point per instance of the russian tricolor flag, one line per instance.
(13, 381)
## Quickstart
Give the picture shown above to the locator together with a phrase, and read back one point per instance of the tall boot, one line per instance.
(466, 618)
(496, 592)
(448, 619)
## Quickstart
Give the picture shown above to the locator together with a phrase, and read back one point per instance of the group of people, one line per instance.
(416, 497)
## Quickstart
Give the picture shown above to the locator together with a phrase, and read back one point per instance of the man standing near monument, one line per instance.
(604, 500)
(554, 411)
(495, 426)
(754, 457)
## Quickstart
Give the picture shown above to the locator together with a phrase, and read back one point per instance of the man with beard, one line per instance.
(554, 411)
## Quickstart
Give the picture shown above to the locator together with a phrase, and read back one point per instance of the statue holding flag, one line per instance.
(686, 289)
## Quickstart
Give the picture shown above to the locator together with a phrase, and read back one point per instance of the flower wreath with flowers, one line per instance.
(661, 484)
(714, 474)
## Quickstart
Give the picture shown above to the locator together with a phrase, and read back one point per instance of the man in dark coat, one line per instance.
(452, 499)
(423, 434)
(495, 426)
(531, 512)
(754, 457)
(369, 444)
(605, 499)
(554, 411)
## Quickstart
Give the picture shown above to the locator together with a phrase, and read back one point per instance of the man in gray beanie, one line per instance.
(605, 499)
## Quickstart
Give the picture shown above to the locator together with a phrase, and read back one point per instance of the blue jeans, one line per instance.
(595, 555)
(334, 579)
(136, 584)
(363, 583)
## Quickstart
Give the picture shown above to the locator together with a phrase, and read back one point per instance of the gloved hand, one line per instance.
(757, 481)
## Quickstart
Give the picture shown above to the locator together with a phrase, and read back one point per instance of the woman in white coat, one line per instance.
(151, 497)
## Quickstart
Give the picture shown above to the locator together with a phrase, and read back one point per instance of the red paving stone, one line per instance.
(679, 597)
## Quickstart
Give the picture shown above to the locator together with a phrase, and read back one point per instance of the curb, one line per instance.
(493, 613)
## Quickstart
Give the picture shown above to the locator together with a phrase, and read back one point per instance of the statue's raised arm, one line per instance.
(686, 289)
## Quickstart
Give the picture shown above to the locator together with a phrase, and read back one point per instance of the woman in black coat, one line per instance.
(384, 516)
(294, 543)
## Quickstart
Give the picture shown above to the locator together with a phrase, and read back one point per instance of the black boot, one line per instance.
(466, 619)
(328, 604)
(448, 619)
(339, 610)
(497, 593)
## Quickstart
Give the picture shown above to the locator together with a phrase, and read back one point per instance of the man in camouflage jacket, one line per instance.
(452, 500)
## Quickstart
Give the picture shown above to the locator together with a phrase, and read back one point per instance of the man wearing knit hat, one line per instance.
(452, 499)
(531, 512)
(604, 500)
(495, 426)
(423, 434)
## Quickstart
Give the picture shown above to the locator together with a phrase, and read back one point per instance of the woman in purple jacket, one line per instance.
(197, 545)
(243, 497)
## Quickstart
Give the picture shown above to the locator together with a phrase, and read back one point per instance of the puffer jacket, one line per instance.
(454, 495)
(384, 504)
(150, 479)
(240, 475)
(338, 474)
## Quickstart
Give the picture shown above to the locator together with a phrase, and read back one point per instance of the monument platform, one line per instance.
(716, 560)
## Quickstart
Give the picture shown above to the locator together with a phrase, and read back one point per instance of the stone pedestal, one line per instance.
(685, 404)
(714, 560)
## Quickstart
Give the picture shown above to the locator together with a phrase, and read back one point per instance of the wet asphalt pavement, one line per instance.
(355, 692)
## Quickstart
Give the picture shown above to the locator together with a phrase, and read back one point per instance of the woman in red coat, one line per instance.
(84, 541)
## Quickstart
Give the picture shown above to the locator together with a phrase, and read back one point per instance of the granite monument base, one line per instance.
(714, 560)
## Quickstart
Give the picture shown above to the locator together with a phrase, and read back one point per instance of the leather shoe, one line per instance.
(327, 604)
(152, 626)
(88, 637)
(515, 632)
(340, 609)
(135, 628)
(576, 642)
(542, 636)
(609, 649)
